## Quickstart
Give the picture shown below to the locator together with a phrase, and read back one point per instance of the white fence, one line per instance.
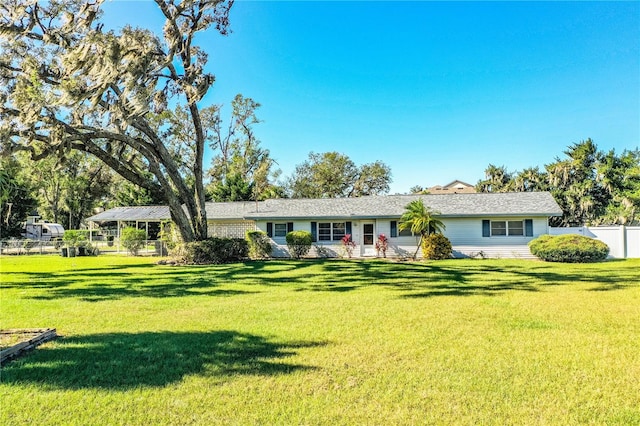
(623, 241)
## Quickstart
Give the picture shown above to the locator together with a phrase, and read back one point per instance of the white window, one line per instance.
(279, 229)
(331, 231)
(515, 227)
(498, 228)
(396, 232)
(405, 233)
(507, 227)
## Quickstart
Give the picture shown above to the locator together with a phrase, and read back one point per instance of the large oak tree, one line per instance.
(67, 84)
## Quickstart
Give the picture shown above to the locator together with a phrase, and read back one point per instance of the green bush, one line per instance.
(298, 243)
(133, 239)
(74, 238)
(259, 244)
(569, 248)
(216, 251)
(436, 247)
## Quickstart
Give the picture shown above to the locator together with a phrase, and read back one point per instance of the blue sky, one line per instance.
(436, 90)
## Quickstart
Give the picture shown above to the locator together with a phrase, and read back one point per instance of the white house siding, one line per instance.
(329, 248)
(466, 238)
(230, 229)
(279, 244)
(465, 235)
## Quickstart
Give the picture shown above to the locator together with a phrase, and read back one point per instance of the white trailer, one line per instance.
(33, 229)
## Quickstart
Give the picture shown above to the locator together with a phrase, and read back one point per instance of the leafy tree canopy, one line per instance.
(67, 84)
(591, 186)
(333, 175)
(241, 170)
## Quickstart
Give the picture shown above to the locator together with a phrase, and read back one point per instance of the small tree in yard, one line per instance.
(421, 221)
(133, 239)
(74, 238)
(298, 243)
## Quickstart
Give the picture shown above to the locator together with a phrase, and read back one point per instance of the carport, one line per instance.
(139, 216)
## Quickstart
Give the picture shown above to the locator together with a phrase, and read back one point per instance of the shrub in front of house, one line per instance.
(569, 248)
(436, 247)
(382, 245)
(215, 251)
(133, 239)
(298, 243)
(348, 246)
(259, 245)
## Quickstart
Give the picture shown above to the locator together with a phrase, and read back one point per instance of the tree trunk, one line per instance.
(181, 219)
(415, 255)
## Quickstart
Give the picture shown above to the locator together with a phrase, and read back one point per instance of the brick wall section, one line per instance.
(231, 229)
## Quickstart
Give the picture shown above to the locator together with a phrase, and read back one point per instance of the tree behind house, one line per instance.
(335, 175)
(590, 186)
(241, 170)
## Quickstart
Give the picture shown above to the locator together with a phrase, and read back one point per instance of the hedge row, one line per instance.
(216, 251)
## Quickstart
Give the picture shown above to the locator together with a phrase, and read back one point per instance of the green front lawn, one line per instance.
(322, 342)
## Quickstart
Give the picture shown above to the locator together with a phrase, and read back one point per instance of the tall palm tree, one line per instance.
(420, 220)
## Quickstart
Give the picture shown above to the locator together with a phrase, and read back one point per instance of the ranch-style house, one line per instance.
(477, 224)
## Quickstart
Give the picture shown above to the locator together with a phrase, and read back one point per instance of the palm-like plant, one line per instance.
(421, 221)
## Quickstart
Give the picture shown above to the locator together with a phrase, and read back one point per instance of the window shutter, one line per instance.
(528, 227)
(486, 228)
(269, 229)
(394, 229)
(348, 226)
(289, 226)
(314, 231)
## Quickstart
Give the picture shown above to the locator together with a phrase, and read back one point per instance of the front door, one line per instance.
(368, 239)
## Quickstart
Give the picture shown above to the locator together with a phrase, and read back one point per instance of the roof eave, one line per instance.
(365, 217)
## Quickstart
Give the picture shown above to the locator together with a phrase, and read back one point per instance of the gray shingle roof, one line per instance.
(450, 205)
(151, 213)
(383, 206)
(234, 210)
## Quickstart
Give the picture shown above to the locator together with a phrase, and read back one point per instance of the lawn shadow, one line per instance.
(120, 361)
(127, 288)
(469, 278)
(410, 279)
